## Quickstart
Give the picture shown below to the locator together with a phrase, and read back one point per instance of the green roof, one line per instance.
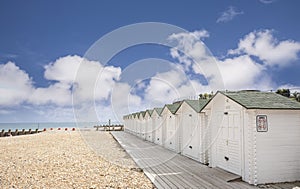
(150, 112)
(143, 113)
(262, 100)
(158, 110)
(173, 107)
(197, 105)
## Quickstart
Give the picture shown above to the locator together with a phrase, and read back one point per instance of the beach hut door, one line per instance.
(228, 143)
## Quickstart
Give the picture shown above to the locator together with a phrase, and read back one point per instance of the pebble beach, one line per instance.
(67, 159)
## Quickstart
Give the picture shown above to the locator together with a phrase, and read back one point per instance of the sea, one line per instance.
(48, 125)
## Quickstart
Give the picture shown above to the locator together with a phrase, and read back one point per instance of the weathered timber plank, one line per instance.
(166, 169)
(164, 172)
(156, 180)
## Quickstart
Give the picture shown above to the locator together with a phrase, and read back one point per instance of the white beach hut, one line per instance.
(127, 126)
(149, 125)
(135, 124)
(255, 135)
(157, 126)
(131, 123)
(170, 127)
(138, 124)
(192, 129)
(142, 124)
(126, 123)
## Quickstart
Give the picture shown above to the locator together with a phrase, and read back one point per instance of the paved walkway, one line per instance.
(167, 169)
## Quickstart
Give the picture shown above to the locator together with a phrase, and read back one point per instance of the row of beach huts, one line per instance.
(249, 133)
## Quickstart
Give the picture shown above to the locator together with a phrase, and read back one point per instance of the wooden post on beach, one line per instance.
(109, 125)
(9, 132)
(15, 133)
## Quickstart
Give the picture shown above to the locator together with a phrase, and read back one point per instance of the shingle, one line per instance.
(262, 100)
(197, 105)
(158, 110)
(150, 112)
(143, 113)
(173, 107)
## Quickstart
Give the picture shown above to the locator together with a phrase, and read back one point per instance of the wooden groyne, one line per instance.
(109, 127)
(17, 132)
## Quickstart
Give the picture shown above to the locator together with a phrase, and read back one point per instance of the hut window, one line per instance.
(190, 115)
(157, 138)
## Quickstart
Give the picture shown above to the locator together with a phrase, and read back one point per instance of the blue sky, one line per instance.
(35, 35)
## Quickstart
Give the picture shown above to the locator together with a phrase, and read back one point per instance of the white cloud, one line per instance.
(64, 69)
(239, 69)
(268, 49)
(189, 48)
(267, 1)
(107, 78)
(69, 74)
(167, 86)
(5, 112)
(15, 85)
(89, 79)
(123, 100)
(88, 82)
(229, 14)
(192, 53)
(243, 73)
(164, 87)
(54, 113)
(58, 94)
(189, 36)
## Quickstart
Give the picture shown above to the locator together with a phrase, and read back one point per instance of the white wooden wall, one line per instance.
(142, 127)
(278, 149)
(157, 128)
(170, 130)
(131, 123)
(136, 125)
(148, 125)
(224, 139)
(189, 131)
